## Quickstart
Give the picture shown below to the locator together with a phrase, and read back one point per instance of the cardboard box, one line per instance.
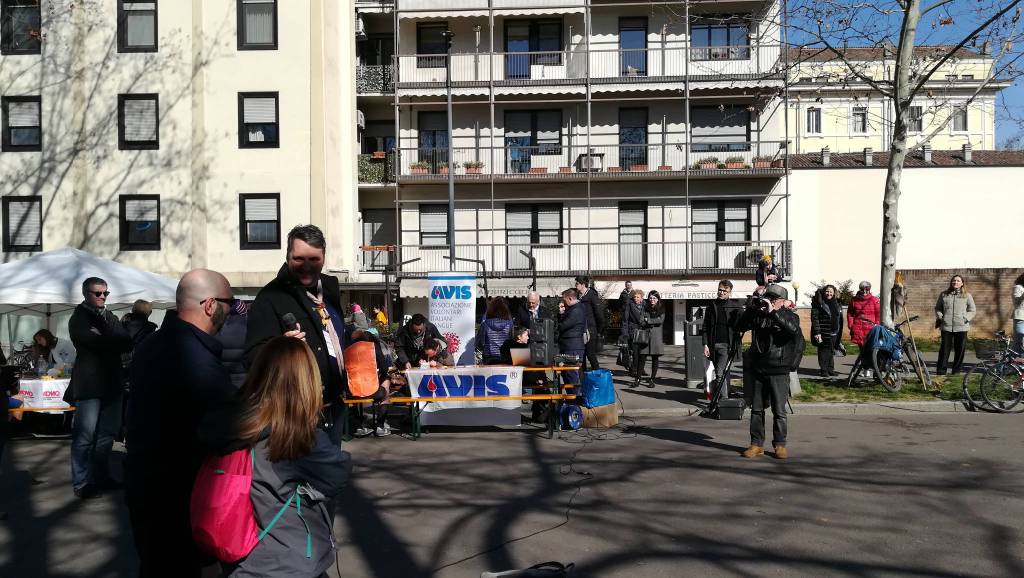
(602, 416)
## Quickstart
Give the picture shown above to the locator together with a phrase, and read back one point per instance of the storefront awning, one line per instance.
(507, 287)
(682, 289)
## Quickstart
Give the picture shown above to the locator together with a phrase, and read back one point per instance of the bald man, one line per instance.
(176, 378)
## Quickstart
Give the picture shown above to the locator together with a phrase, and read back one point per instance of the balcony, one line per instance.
(375, 79)
(572, 67)
(707, 159)
(672, 257)
(376, 168)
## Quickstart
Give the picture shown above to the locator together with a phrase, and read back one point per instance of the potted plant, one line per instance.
(779, 163)
(473, 167)
(708, 163)
(762, 162)
(734, 162)
(379, 154)
(614, 169)
(538, 170)
(638, 168)
(665, 168)
(442, 169)
(419, 167)
(565, 169)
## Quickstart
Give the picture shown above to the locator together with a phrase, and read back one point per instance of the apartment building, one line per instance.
(177, 134)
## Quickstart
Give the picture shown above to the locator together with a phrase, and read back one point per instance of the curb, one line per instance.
(867, 408)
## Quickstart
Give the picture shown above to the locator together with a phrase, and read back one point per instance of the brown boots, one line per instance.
(754, 451)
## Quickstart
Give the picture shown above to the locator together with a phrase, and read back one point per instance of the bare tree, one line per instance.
(922, 39)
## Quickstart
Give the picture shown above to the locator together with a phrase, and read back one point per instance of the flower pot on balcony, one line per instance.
(538, 170)
(379, 154)
(614, 169)
(734, 165)
(778, 164)
(707, 166)
(762, 164)
(639, 168)
(665, 168)
(565, 169)
(474, 170)
(419, 170)
(442, 170)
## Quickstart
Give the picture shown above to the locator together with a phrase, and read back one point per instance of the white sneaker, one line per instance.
(363, 432)
(384, 430)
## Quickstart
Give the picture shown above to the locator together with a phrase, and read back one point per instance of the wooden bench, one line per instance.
(415, 410)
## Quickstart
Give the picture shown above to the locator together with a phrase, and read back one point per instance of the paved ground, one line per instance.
(907, 495)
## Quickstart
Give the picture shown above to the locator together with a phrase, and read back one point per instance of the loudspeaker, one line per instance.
(542, 330)
(542, 353)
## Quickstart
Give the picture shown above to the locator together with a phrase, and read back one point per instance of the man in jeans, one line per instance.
(720, 333)
(95, 389)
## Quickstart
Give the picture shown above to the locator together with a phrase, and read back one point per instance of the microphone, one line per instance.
(289, 321)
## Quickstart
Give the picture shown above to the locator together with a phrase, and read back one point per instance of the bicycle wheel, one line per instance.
(1001, 386)
(972, 388)
(888, 371)
(921, 368)
(854, 372)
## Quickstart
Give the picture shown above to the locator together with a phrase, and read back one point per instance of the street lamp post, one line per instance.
(448, 35)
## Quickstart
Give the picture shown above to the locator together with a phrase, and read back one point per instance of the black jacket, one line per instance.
(523, 315)
(625, 298)
(284, 295)
(99, 341)
(777, 343)
(138, 328)
(826, 319)
(732, 310)
(594, 312)
(232, 339)
(632, 318)
(407, 345)
(571, 327)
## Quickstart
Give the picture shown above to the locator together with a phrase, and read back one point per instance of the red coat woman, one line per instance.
(864, 312)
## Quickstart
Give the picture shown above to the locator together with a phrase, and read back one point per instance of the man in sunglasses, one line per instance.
(303, 302)
(95, 389)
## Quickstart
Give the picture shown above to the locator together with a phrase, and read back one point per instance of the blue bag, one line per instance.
(598, 388)
(883, 339)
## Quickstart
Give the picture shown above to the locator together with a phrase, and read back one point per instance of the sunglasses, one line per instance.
(229, 301)
(101, 293)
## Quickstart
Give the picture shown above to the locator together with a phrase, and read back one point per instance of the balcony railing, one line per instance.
(376, 168)
(600, 161)
(372, 79)
(561, 259)
(602, 66)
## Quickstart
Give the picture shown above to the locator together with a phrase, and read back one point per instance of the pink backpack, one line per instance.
(223, 521)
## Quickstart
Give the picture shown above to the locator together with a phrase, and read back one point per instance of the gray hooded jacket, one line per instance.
(954, 310)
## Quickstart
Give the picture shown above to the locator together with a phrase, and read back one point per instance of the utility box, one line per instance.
(695, 360)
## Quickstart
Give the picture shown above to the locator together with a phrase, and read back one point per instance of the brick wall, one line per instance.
(991, 289)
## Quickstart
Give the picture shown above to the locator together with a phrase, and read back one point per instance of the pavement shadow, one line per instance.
(687, 437)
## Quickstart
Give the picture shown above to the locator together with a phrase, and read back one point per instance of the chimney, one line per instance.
(926, 152)
(869, 156)
(826, 157)
(967, 153)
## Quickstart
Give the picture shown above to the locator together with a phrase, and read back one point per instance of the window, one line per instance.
(860, 119)
(430, 40)
(951, 77)
(23, 224)
(531, 42)
(259, 221)
(140, 222)
(379, 229)
(721, 232)
(257, 24)
(715, 41)
(915, 119)
(20, 27)
(632, 138)
(966, 77)
(21, 123)
(136, 26)
(960, 118)
(633, 46)
(434, 226)
(432, 138)
(814, 121)
(257, 120)
(379, 135)
(720, 128)
(633, 235)
(138, 122)
(529, 225)
(531, 132)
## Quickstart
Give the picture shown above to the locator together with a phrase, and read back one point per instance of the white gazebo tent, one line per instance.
(51, 282)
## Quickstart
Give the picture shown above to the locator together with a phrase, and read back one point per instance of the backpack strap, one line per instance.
(298, 510)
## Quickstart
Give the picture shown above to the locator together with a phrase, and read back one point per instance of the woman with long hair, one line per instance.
(294, 463)
(953, 314)
(632, 322)
(495, 330)
(653, 319)
(826, 327)
(1018, 313)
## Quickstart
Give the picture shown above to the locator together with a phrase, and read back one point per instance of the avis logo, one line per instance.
(459, 385)
(451, 292)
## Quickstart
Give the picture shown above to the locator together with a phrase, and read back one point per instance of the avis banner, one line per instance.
(453, 311)
(440, 383)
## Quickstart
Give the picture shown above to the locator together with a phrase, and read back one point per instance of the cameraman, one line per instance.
(775, 350)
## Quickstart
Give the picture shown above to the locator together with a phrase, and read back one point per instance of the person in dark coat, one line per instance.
(232, 339)
(434, 354)
(95, 389)
(595, 318)
(296, 468)
(520, 339)
(495, 330)
(632, 321)
(177, 379)
(314, 300)
(137, 322)
(571, 325)
(531, 311)
(626, 296)
(826, 327)
(409, 339)
(651, 322)
(720, 335)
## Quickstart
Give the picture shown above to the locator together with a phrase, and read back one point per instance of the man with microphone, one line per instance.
(302, 302)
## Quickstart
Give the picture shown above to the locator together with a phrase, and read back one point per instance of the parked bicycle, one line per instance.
(892, 355)
(996, 382)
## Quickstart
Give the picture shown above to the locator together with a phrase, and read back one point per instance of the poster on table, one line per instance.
(452, 309)
(44, 393)
(437, 384)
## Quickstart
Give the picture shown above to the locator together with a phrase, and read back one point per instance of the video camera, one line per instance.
(758, 302)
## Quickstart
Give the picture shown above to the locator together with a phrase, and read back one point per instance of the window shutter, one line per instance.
(632, 217)
(141, 210)
(434, 219)
(259, 110)
(22, 114)
(261, 209)
(705, 214)
(140, 123)
(549, 218)
(24, 224)
(518, 218)
(259, 21)
(140, 21)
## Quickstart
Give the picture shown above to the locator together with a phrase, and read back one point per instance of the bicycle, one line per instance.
(892, 355)
(998, 379)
